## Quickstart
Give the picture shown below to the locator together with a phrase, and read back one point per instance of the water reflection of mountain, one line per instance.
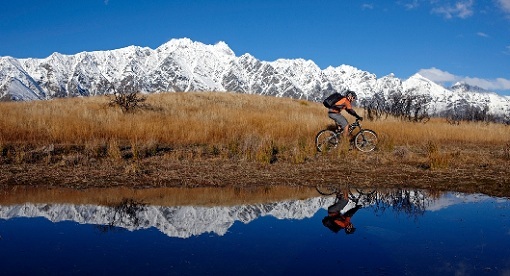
(187, 221)
(181, 221)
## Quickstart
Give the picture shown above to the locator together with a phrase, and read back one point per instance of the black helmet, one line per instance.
(351, 93)
(350, 229)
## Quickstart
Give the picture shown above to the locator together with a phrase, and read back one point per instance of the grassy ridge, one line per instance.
(251, 127)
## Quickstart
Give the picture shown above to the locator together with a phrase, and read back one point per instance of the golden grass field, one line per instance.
(236, 140)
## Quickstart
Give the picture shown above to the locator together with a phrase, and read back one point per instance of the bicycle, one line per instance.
(364, 140)
(359, 195)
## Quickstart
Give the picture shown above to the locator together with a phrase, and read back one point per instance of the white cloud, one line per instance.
(494, 84)
(367, 6)
(454, 8)
(482, 34)
(461, 9)
(507, 50)
(410, 5)
(505, 5)
(444, 77)
(437, 75)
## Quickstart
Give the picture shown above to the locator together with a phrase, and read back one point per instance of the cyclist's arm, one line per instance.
(353, 113)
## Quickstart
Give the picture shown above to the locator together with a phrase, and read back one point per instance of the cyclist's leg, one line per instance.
(340, 121)
(338, 206)
(332, 117)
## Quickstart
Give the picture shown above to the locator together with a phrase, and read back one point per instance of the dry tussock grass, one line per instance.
(209, 118)
(438, 131)
(225, 122)
(221, 125)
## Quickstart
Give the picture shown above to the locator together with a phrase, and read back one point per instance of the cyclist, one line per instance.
(343, 104)
(340, 213)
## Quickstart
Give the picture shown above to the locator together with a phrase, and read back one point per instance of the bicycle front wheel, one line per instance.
(326, 140)
(365, 140)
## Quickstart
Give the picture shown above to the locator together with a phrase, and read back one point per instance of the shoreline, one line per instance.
(374, 170)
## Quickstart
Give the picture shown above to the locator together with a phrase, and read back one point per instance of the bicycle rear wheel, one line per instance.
(365, 140)
(327, 189)
(326, 140)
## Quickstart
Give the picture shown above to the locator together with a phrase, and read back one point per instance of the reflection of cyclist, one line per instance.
(343, 104)
(340, 213)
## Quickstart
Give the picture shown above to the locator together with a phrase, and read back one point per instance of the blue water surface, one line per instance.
(454, 234)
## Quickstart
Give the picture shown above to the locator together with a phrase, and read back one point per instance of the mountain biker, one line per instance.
(343, 104)
(340, 213)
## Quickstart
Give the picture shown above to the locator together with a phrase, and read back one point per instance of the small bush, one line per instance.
(128, 102)
(267, 153)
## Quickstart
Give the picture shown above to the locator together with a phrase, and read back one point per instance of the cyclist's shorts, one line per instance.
(342, 206)
(339, 119)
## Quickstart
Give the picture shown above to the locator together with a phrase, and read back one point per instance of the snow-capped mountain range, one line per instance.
(185, 65)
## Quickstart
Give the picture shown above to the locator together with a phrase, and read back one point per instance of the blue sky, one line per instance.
(444, 40)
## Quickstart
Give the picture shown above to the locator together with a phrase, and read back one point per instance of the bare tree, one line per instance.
(374, 107)
(407, 107)
(128, 101)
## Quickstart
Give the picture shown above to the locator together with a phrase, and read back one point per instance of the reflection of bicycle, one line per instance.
(364, 140)
(359, 195)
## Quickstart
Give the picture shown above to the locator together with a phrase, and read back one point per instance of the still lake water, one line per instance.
(400, 232)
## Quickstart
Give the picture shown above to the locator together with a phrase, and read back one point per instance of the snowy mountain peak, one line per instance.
(419, 77)
(223, 47)
(464, 87)
(186, 44)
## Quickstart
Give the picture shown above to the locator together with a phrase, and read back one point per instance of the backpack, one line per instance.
(331, 100)
(329, 222)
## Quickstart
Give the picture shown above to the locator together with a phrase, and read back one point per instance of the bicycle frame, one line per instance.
(353, 127)
(364, 139)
